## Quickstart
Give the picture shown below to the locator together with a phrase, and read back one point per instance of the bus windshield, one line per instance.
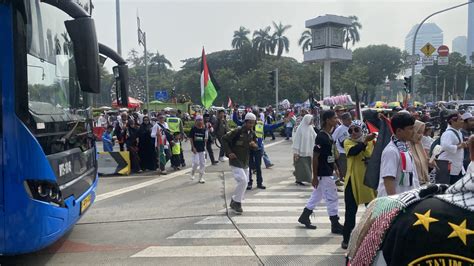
(60, 110)
(53, 88)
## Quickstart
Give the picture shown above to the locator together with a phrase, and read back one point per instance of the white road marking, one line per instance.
(153, 182)
(319, 209)
(276, 200)
(302, 194)
(239, 251)
(194, 251)
(300, 188)
(253, 233)
(263, 220)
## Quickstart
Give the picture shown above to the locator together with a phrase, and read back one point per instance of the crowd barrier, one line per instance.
(114, 163)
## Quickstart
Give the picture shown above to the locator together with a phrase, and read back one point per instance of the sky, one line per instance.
(180, 28)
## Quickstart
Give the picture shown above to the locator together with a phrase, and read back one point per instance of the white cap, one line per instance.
(466, 116)
(250, 116)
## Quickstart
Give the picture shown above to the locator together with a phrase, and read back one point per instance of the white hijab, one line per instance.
(305, 137)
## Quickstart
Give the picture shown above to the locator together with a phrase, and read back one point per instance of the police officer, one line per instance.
(175, 125)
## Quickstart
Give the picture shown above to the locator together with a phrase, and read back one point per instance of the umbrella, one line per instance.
(417, 104)
(380, 104)
(156, 102)
(394, 104)
(132, 103)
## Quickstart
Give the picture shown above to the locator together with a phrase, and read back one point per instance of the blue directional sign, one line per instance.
(161, 95)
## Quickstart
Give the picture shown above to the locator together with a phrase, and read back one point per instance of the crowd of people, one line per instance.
(414, 156)
(331, 148)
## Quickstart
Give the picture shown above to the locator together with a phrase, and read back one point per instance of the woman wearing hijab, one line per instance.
(146, 146)
(419, 154)
(358, 148)
(132, 146)
(303, 144)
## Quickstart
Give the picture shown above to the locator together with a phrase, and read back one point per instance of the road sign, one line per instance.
(413, 59)
(161, 95)
(428, 49)
(443, 60)
(428, 61)
(443, 50)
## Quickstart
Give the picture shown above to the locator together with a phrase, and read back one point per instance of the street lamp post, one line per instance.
(416, 33)
(142, 41)
(118, 25)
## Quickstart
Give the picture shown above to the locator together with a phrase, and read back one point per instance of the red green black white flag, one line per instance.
(209, 85)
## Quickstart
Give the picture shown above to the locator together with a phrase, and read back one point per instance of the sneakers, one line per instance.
(201, 180)
(163, 172)
(269, 166)
(192, 176)
(236, 206)
(215, 163)
(249, 187)
(339, 183)
(261, 187)
(222, 159)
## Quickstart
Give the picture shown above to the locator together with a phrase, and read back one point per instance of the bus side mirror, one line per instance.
(121, 84)
(86, 52)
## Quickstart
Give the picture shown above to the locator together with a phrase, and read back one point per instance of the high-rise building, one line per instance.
(460, 45)
(428, 33)
(470, 32)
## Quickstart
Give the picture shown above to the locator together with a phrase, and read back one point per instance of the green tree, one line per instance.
(263, 41)
(382, 62)
(160, 62)
(240, 38)
(351, 33)
(305, 40)
(281, 42)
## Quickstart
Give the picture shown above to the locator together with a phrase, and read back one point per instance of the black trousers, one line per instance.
(351, 211)
(209, 151)
(454, 178)
(181, 155)
(255, 162)
(221, 151)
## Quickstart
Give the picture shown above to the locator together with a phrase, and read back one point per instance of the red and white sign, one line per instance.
(443, 50)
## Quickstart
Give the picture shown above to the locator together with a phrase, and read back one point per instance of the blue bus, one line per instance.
(49, 70)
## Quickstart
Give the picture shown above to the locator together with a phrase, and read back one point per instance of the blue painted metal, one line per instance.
(26, 225)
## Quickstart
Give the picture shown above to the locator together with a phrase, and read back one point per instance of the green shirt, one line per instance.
(238, 142)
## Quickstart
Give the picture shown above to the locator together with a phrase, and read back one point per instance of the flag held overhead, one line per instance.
(209, 85)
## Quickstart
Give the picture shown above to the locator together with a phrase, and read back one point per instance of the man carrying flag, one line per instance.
(209, 85)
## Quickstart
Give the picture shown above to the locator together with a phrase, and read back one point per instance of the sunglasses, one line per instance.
(355, 130)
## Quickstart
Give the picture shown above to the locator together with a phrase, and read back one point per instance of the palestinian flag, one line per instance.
(209, 85)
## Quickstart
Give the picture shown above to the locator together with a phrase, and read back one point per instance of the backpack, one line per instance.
(438, 142)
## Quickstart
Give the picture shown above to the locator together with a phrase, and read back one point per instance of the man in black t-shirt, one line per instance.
(198, 137)
(324, 158)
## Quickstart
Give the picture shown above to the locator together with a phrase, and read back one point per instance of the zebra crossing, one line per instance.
(269, 223)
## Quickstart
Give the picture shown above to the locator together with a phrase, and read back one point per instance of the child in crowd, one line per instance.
(107, 139)
(176, 151)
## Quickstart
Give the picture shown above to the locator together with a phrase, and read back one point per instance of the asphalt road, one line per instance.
(172, 220)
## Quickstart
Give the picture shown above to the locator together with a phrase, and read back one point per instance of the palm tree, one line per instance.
(279, 39)
(351, 33)
(240, 38)
(262, 40)
(305, 40)
(160, 62)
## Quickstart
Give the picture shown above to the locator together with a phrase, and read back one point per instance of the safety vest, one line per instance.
(176, 149)
(259, 129)
(173, 124)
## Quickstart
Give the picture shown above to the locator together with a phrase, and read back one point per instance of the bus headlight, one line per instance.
(45, 191)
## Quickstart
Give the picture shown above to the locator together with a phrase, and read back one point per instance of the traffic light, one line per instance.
(407, 84)
(271, 78)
